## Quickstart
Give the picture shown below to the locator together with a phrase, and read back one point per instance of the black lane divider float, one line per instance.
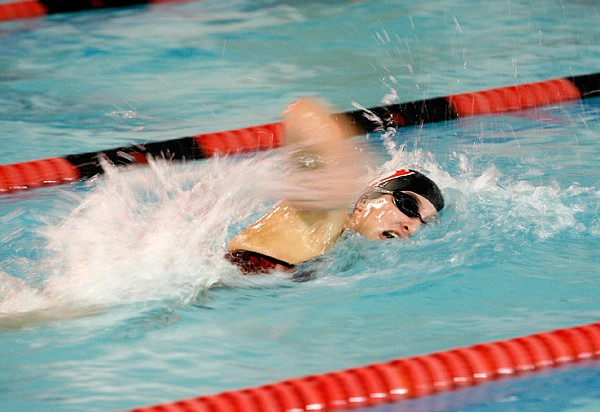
(75, 167)
(36, 8)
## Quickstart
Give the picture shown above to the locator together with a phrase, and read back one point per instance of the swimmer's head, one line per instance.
(396, 205)
(410, 181)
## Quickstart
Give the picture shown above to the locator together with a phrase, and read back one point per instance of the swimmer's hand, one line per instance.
(325, 166)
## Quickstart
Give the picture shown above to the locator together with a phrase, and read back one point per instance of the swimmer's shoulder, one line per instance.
(291, 235)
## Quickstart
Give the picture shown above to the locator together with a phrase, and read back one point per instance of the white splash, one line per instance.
(148, 233)
(500, 201)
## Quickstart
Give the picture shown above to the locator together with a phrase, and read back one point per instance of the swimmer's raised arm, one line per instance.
(324, 177)
(325, 164)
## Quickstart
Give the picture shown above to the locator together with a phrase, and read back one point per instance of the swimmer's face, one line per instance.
(379, 218)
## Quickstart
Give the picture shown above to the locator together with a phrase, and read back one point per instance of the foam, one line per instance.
(143, 234)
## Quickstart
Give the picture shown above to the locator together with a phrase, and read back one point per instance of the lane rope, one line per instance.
(27, 9)
(403, 379)
(76, 167)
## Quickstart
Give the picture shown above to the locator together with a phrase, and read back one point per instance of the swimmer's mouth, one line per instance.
(390, 234)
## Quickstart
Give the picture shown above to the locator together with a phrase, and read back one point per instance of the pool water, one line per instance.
(114, 293)
(570, 388)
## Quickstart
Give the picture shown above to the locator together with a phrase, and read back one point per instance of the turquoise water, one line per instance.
(576, 384)
(113, 293)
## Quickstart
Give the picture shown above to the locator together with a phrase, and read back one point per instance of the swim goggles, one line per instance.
(405, 202)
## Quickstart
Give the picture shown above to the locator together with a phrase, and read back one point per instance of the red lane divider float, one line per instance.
(39, 173)
(36, 8)
(50, 171)
(250, 139)
(22, 10)
(514, 98)
(403, 379)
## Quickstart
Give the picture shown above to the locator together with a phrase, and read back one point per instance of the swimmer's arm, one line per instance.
(325, 165)
(324, 177)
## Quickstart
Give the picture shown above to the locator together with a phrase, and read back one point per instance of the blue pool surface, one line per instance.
(571, 388)
(114, 293)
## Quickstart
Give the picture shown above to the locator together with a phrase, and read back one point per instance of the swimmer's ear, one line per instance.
(360, 206)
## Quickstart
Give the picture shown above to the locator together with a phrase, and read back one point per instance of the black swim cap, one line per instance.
(412, 181)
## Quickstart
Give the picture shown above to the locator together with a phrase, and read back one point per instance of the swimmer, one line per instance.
(308, 223)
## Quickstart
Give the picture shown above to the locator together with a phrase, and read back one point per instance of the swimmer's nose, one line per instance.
(406, 229)
(410, 227)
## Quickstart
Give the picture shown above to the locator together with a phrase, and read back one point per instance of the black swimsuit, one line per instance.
(252, 263)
